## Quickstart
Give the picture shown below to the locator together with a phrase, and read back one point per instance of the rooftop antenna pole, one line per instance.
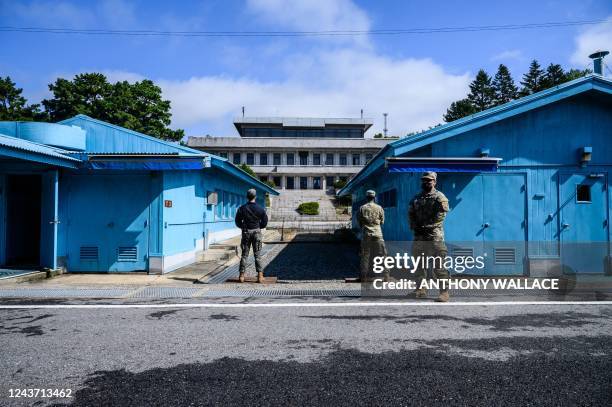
(362, 113)
(385, 129)
(243, 112)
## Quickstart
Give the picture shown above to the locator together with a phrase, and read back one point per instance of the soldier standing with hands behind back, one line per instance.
(370, 217)
(426, 216)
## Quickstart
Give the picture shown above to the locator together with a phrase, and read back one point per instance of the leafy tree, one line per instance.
(378, 135)
(459, 109)
(482, 93)
(13, 106)
(138, 106)
(554, 76)
(503, 85)
(576, 73)
(244, 167)
(534, 80)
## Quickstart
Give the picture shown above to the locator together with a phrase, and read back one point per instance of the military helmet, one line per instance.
(429, 175)
(371, 193)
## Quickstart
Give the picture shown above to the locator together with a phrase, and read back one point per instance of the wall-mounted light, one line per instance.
(587, 152)
(484, 152)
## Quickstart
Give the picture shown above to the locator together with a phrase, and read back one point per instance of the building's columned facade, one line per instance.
(297, 153)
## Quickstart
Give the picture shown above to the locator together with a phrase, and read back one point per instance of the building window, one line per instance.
(368, 157)
(343, 159)
(316, 182)
(277, 181)
(250, 158)
(290, 159)
(329, 159)
(329, 181)
(388, 199)
(263, 158)
(290, 183)
(303, 182)
(356, 160)
(303, 157)
(223, 155)
(276, 159)
(583, 193)
(263, 178)
(236, 158)
(316, 159)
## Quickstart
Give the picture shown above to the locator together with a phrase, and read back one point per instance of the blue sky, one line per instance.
(412, 77)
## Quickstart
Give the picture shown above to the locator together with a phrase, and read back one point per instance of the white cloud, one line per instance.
(598, 37)
(511, 54)
(313, 15)
(415, 93)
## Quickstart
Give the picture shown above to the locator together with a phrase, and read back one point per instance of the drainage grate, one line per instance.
(88, 253)
(280, 292)
(166, 292)
(66, 292)
(127, 253)
(505, 255)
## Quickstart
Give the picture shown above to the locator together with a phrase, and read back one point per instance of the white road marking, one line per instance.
(311, 304)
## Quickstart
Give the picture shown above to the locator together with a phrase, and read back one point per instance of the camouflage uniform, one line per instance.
(426, 215)
(370, 217)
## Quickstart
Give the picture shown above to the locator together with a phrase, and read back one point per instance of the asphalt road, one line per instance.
(472, 355)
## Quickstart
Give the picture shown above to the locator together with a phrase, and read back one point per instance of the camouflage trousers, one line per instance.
(251, 238)
(371, 246)
(429, 248)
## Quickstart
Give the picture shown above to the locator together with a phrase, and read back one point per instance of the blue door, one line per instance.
(504, 225)
(487, 218)
(108, 219)
(583, 221)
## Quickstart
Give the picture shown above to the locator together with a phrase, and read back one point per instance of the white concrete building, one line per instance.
(297, 153)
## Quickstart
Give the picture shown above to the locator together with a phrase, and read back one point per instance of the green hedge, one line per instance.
(308, 208)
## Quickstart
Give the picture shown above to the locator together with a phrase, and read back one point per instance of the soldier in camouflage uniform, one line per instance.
(426, 216)
(370, 217)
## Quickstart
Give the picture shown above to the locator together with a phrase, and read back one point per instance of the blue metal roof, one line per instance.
(486, 117)
(28, 150)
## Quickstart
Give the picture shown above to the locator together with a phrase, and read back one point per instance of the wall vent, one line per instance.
(505, 255)
(88, 253)
(463, 252)
(127, 253)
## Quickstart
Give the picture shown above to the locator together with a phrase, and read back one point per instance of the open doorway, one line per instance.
(23, 210)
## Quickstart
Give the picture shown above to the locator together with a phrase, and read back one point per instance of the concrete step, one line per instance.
(216, 255)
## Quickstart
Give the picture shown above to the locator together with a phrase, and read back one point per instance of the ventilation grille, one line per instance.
(127, 253)
(505, 255)
(88, 253)
(463, 252)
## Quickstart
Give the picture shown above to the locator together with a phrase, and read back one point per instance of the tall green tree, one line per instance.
(459, 109)
(13, 106)
(504, 86)
(138, 106)
(555, 75)
(534, 80)
(482, 93)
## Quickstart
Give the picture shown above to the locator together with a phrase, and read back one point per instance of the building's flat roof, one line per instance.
(283, 143)
(304, 122)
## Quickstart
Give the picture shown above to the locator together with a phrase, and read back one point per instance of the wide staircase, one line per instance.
(283, 214)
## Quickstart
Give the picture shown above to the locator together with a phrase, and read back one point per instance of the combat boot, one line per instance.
(241, 277)
(421, 293)
(443, 297)
(260, 277)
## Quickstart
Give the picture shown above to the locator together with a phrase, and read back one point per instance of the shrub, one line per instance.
(338, 184)
(308, 208)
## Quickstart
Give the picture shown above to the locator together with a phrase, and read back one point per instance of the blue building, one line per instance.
(528, 181)
(90, 196)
